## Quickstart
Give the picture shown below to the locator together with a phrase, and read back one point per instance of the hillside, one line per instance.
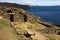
(17, 24)
(14, 5)
(6, 33)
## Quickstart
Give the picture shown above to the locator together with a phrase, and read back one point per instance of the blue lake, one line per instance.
(51, 14)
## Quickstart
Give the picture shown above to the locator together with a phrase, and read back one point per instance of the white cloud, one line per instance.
(44, 3)
(35, 2)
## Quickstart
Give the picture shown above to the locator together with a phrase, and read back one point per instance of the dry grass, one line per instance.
(6, 33)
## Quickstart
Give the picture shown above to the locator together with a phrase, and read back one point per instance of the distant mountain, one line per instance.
(14, 5)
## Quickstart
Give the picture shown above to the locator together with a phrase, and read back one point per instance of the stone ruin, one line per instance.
(17, 14)
(13, 15)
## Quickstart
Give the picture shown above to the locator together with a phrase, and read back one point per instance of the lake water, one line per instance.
(51, 14)
(53, 17)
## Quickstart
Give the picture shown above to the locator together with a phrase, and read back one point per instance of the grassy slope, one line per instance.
(6, 33)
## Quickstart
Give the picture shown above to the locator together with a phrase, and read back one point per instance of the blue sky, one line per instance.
(35, 2)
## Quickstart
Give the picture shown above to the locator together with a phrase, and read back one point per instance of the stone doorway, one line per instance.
(11, 17)
(25, 18)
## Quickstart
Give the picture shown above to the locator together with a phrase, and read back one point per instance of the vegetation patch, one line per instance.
(4, 23)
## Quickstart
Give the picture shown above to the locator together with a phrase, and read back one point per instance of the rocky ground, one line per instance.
(16, 30)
